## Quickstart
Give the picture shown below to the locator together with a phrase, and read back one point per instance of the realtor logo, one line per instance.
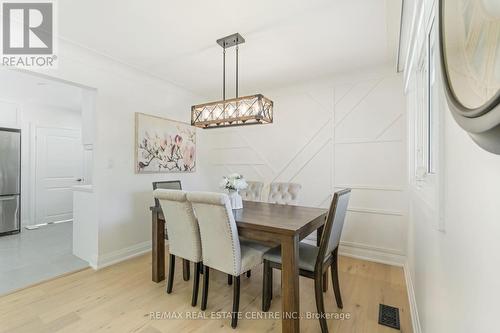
(28, 34)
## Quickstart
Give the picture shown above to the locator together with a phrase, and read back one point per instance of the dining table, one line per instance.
(271, 224)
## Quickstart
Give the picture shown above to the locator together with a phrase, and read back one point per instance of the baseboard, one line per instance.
(415, 321)
(93, 262)
(372, 253)
(115, 257)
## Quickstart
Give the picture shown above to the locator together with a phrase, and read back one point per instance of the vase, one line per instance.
(235, 199)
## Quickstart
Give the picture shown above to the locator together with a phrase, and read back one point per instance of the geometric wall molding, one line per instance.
(350, 137)
(374, 211)
(358, 141)
(370, 158)
(370, 187)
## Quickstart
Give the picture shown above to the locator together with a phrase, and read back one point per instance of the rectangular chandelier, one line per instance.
(254, 109)
(248, 110)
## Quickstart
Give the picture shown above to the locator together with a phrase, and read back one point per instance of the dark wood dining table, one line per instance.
(272, 224)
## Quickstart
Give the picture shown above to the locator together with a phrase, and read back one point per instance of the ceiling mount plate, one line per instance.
(231, 40)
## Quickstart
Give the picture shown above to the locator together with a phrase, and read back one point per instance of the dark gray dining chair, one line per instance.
(166, 185)
(172, 185)
(313, 260)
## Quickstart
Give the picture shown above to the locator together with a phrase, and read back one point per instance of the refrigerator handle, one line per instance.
(11, 197)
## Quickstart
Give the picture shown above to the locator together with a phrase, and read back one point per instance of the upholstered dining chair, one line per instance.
(313, 260)
(253, 192)
(221, 246)
(184, 233)
(284, 193)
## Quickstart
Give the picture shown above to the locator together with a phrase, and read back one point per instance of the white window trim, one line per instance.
(428, 187)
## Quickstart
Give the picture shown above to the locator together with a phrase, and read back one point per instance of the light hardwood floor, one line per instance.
(120, 298)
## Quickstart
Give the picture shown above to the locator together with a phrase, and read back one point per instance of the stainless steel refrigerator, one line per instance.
(10, 181)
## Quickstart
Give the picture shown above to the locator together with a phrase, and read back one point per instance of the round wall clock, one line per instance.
(470, 62)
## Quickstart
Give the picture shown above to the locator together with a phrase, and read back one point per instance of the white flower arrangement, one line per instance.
(233, 182)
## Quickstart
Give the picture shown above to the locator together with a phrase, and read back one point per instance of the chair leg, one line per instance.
(325, 281)
(249, 273)
(270, 285)
(186, 270)
(229, 279)
(171, 271)
(335, 280)
(236, 302)
(265, 286)
(196, 283)
(204, 294)
(320, 305)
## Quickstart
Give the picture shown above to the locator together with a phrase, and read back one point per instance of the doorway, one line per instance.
(56, 157)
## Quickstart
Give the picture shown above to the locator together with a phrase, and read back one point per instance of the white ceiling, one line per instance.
(286, 40)
(24, 87)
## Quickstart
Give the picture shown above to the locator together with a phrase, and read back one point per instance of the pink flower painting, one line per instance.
(164, 146)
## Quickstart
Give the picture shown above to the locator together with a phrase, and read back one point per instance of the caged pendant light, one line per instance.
(247, 110)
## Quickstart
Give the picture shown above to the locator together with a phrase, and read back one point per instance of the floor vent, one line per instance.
(388, 316)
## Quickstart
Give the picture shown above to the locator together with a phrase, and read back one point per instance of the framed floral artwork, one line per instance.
(163, 145)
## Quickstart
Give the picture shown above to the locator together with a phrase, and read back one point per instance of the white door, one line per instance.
(59, 166)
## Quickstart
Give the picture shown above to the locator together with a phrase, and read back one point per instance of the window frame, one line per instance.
(428, 116)
(433, 113)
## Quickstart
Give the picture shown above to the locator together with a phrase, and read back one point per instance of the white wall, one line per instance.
(304, 144)
(337, 132)
(124, 197)
(453, 274)
(28, 117)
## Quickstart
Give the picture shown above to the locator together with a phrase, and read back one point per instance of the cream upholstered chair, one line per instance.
(314, 260)
(222, 248)
(184, 234)
(284, 193)
(253, 192)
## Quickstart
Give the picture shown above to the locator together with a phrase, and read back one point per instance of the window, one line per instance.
(421, 124)
(428, 108)
(433, 102)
